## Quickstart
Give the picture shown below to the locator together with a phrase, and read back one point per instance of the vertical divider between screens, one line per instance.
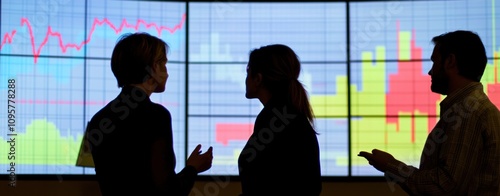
(85, 16)
(186, 86)
(348, 56)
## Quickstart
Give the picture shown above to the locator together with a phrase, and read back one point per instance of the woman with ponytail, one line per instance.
(281, 157)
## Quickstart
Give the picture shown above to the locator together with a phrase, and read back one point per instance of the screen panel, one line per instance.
(47, 121)
(390, 52)
(221, 36)
(58, 53)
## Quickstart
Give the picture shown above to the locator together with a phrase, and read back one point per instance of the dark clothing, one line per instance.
(462, 153)
(121, 136)
(281, 157)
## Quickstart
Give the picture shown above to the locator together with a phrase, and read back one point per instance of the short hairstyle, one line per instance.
(134, 55)
(468, 49)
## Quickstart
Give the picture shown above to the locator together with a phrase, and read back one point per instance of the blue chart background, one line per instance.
(64, 77)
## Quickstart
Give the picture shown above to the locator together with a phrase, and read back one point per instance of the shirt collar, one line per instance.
(459, 95)
(139, 94)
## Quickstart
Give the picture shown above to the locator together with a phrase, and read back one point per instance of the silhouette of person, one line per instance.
(462, 153)
(281, 157)
(131, 137)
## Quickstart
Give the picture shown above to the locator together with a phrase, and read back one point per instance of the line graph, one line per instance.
(64, 77)
(9, 37)
(60, 59)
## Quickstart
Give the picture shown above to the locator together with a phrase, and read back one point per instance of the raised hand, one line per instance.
(200, 161)
(378, 159)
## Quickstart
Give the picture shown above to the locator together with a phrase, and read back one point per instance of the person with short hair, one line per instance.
(462, 153)
(131, 137)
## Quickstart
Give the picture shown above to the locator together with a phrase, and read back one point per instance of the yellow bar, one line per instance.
(371, 99)
(404, 45)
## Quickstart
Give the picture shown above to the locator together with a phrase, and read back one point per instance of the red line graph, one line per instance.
(8, 37)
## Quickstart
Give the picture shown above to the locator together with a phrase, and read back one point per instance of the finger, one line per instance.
(365, 154)
(196, 149)
(369, 157)
(209, 152)
(210, 149)
(376, 151)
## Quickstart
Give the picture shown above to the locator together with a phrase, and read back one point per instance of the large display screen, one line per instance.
(364, 65)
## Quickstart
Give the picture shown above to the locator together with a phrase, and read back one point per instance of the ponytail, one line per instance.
(280, 69)
(300, 100)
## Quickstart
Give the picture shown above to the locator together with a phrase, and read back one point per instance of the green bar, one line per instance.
(380, 53)
(404, 45)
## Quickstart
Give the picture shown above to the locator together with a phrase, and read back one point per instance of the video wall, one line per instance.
(55, 69)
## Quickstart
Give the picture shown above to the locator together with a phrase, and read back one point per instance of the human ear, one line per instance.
(450, 62)
(155, 67)
(153, 72)
(258, 79)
